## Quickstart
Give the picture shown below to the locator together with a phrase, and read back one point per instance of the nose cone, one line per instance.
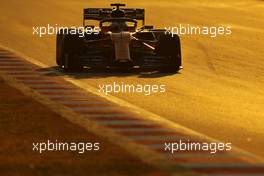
(121, 41)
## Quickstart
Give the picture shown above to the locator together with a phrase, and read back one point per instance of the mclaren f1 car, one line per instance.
(120, 39)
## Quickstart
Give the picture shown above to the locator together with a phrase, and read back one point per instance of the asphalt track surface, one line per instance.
(150, 138)
(220, 91)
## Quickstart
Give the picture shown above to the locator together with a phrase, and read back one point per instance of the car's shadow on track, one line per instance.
(97, 74)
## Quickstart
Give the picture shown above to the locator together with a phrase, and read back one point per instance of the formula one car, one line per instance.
(118, 42)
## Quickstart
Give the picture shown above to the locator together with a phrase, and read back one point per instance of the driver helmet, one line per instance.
(117, 13)
(118, 26)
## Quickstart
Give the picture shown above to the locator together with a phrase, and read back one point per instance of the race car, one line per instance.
(118, 41)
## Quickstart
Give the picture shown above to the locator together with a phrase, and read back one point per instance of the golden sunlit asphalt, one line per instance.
(220, 91)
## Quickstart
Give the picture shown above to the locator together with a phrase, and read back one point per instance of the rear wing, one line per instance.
(103, 13)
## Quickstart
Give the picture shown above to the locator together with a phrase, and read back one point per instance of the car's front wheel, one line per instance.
(72, 48)
(70, 63)
(170, 47)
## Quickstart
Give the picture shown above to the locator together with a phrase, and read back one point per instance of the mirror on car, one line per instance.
(148, 27)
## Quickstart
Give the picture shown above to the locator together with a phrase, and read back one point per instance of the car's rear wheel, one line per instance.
(170, 47)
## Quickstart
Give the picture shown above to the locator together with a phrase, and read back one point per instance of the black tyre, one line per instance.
(170, 47)
(59, 49)
(72, 47)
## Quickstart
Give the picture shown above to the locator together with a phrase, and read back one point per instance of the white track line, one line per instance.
(86, 102)
(107, 115)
